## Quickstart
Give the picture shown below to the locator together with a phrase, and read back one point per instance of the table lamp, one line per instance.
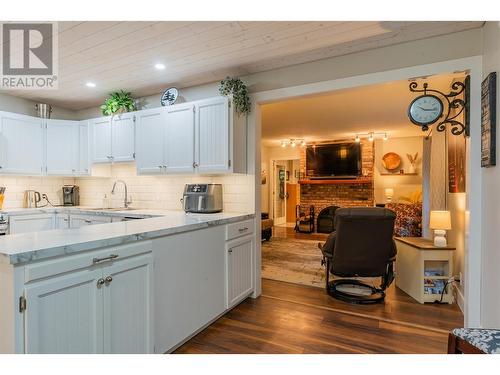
(389, 193)
(440, 221)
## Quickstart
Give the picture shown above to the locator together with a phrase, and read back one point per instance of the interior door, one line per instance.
(64, 314)
(123, 138)
(291, 201)
(279, 193)
(128, 318)
(212, 138)
(150, 141)
(62, 149)
(101, 140)
(179, 139)
(22, 130)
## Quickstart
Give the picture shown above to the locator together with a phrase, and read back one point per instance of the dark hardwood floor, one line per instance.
(289, 318)
(288, 232)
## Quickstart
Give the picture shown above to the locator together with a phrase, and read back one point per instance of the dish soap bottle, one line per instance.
(105, 201)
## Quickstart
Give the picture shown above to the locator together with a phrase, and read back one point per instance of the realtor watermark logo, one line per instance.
(29, 56)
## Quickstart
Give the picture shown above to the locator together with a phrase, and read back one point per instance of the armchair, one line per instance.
(361, 246)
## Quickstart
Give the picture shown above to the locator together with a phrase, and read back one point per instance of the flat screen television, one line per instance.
(331, 161)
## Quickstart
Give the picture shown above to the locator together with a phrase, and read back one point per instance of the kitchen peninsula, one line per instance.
(135, 286)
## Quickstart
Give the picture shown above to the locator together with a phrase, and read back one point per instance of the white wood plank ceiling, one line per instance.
(122, 55)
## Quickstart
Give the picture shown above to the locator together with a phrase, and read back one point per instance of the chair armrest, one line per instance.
(328, 246)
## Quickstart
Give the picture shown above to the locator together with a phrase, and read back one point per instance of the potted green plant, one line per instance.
(118, 102)
(239, 91)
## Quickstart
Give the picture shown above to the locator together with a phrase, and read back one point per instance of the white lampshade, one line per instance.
(389, 193)
(440, 220)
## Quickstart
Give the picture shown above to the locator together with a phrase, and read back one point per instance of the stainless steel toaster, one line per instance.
(202, 198)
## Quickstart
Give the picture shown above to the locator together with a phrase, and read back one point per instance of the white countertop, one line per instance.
(27, 247)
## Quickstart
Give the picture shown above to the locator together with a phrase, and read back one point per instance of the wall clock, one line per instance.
(169, 96)
(425, 110)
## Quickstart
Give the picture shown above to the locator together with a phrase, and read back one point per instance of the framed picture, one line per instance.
(488, 120)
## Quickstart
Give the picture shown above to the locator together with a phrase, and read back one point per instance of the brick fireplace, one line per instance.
(353, 193)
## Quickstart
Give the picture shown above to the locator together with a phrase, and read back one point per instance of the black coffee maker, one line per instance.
(71, 195)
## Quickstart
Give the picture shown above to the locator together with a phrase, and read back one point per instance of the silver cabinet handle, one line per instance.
(241, 230)
(195, 164)
(88, 221)
(98, 260)
(230, 251)
(160, 166)
(108, 279)
(100, 282)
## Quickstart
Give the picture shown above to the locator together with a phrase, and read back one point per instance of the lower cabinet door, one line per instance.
(31, 223)
(64, 314)
(239, 266)
(128, 314)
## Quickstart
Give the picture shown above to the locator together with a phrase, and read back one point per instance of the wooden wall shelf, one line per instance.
(399, 174)
(337, 182)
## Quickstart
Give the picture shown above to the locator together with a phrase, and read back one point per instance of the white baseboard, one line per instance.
(459, 297)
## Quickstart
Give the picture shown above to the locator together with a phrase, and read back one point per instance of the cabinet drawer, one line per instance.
(239, 229)
(69, 263)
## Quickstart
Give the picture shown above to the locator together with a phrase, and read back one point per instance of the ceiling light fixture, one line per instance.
(160, 66)
(371, 136)
(90, 84)
(293, 142)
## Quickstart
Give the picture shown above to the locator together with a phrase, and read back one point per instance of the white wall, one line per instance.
(159, 192)
(15, 104)
(403, 185)
(490, 295)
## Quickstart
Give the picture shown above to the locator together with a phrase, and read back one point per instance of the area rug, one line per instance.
(293, 261)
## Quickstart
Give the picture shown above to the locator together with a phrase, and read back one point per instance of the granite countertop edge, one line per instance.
(119, 233)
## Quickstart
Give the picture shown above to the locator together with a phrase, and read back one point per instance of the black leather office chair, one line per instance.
(361, 246)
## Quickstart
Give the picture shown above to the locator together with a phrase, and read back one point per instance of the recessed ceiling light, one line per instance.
(90, 84)
(160, 66)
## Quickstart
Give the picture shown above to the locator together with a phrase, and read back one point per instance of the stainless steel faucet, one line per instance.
(126, 202)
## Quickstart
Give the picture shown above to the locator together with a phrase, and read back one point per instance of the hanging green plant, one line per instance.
(239, 91)
(118, 102)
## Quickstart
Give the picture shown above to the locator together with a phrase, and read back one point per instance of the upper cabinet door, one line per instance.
(84, 162)
(128, 313)
(62, 147)
(123, 138)
(150, 141)
(21, 144)
(101, 140)
(179, 139)
(64, 314)
(212, 138)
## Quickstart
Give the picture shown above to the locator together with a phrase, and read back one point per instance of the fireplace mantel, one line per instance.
(363, 180)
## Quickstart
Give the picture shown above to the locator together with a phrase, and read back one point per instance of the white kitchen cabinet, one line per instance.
(150, 130)
(123, 137)
(62, 147)
(77, 221)
(21, 144)
(61, 221)
(239, 269)
(104, 307)
(83, 149)
(31, 223)
(113, 138)
(101, 140)
(128, 312)
(179, 139)
(65, 314)
(220, 141)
